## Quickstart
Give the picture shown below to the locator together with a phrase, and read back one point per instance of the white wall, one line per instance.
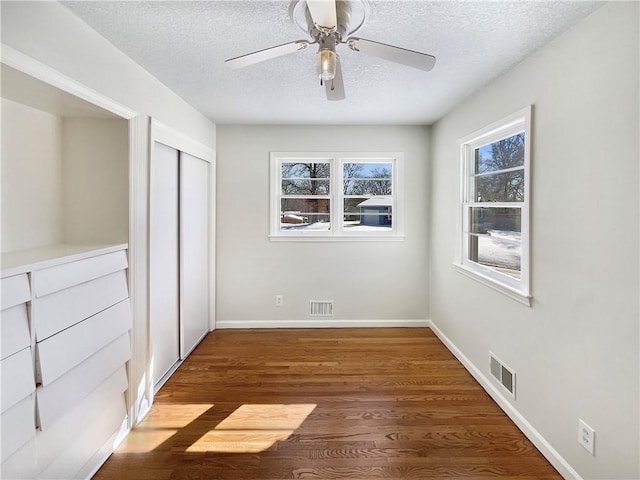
(368, 281)
(96, 186)
(64, 180)
(31, 177)
(575, 351)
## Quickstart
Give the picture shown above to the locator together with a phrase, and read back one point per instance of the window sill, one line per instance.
(336, 238)
(505, 290)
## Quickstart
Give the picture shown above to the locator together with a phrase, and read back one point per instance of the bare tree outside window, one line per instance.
(494, 222)
(368, 190)
(500, 171)
(496, 230)
(305, 185)
(319, 195)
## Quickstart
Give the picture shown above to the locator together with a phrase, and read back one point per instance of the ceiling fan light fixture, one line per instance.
(329, 24)
(326, 60)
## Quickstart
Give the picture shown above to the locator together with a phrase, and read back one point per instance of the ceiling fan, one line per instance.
(330, 23)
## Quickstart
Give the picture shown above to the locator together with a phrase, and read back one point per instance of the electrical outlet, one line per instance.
(586, 436)
(279, 300)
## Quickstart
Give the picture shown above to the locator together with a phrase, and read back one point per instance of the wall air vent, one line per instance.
(503, 374)
(321, 308)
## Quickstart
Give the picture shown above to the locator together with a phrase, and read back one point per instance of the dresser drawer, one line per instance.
(54, 279)
(60, 353)
(18, 426)
(14, 330)
(66, 392)
(15, 290)
(100, 429)
(58, 311)
(16, 380)
(22, 463)
(79, 422)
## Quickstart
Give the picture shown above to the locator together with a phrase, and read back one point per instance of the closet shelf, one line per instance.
(22, 261)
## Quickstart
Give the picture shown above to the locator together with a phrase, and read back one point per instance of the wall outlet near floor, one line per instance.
(279, 300)
(586, 437)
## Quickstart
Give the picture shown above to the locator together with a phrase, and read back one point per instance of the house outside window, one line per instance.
(494, 218)
(336, 196)
(376, 211)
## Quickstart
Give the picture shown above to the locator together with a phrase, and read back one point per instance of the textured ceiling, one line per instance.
(184, 44)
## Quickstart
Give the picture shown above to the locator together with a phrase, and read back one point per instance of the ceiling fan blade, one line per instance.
(335, 88)
(323, 13)
(410, 58)
(266, 54)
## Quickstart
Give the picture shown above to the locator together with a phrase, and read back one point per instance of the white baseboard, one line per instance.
(560, 464)
(318, 323)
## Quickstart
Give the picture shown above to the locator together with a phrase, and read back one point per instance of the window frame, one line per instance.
(337, 231)
(517, 289)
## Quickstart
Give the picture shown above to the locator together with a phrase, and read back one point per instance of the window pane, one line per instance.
(364, 205)
(305, 214)
(368, 206)
(351, 204)
(500, 155)
(498, 240)
(312, 186)
(367, 178)
(495, 252)
(367, 213)
(368, 222)
(305, 205)
(366, 170)
(503, 222)
(500, 187)
(306, 170)
(367, 187)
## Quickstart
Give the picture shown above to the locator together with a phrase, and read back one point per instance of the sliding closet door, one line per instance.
(194, 250)
(164, 308)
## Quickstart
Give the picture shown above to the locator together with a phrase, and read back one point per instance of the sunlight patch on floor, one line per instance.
(144, 440)
(245, 441)
(160, 425)
(253, 428)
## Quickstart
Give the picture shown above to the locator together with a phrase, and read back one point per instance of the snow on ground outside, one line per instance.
(502, 248)
(324, 227)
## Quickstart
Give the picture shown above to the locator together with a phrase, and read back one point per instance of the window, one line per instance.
(494, 226)
(335, 196)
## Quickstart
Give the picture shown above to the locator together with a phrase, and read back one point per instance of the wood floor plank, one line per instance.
(324, 404)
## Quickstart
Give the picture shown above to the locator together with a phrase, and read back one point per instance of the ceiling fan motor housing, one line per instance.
(350, 14)
(343, 14)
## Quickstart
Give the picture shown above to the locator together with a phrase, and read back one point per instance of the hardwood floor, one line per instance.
(324, 404)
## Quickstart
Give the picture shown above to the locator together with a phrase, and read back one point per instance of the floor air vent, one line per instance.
(321, 308)
(503, 374)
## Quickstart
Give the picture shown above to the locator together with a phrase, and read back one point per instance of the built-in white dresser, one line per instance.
(65, 333)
